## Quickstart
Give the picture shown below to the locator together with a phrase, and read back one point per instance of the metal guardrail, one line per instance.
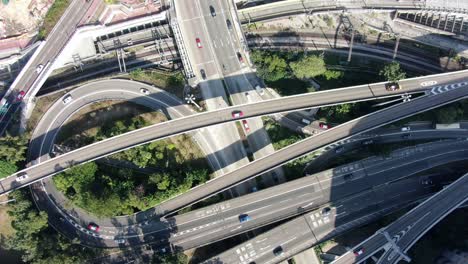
(182, 51)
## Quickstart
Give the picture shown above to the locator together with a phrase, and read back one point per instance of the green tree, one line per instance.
(13, 148)
(329, 75)
(137, 73)
(270, 66)
(392, 72)
(38, 243)
(177, 258)
(6, 169)
(448, 114)
(308, 67)
(176, 80)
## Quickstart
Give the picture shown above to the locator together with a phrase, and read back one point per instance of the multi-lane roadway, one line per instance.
(399, 236)
(49, 126)
(39, 66)
(221, 220)
(436, 97)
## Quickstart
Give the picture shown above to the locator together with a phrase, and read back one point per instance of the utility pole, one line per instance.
(351, 45)
(396, 46)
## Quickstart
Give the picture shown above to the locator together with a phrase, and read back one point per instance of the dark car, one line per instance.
(212, 11)
(406, 136)
(326, 211)
(278, 251)
(426, 181)
(203, 74)
(339, 149)
(393, 86)
(367, 142)
(244, 218)
(228, 24)
(348, 176)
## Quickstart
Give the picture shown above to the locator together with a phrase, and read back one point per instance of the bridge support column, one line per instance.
(396, 46)
(395, 246)
(351, 45)
(454, 22)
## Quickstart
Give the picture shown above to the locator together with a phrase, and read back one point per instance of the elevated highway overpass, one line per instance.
(30, 79)
(293, 7)
(438, 96)
(219, 221)
(396, 239)
(46, 131)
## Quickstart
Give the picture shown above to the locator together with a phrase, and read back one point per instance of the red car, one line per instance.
(324, 125)
(237, 114)
(239, 56)
(20, 96)
(246, 126)
(93, 227)
(358, 252)
(198, 43)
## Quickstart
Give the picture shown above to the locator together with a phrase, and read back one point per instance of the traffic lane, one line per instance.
(44, 135)
(219, 35)
(222, 209)
(307, 188)
(322, 226)
(190, 20)
(429, 213)
(421, 215)
(420, 83)
(385, 137)
(305, 146)
(57, 39)
(220, 116)
(419, 224)
(319, 225)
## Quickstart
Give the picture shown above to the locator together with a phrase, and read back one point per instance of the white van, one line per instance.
(67, 99)
(260, 90)
(305, 121)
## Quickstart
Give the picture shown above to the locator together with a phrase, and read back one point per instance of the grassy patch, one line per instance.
(5, 228)
(52, 17)
(171, 82)
(42, 105)
(86, 122)
(174, 165)
(289, 86)
(279, 135)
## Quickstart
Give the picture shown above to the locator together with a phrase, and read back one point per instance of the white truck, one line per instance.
(447, 126)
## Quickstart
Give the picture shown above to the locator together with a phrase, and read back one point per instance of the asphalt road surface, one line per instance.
(438, 96)
(323, 223)
(405, 231)
(221, 220)
(55, 42)
(286, 8)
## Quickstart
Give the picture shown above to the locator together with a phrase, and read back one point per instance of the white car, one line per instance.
(260, 90)
(144, 91)
(67, 99)
(403, 129)
(39, 68)
(22, 177)
(120, 241)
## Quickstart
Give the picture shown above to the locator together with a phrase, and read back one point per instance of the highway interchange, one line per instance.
(189, 230)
